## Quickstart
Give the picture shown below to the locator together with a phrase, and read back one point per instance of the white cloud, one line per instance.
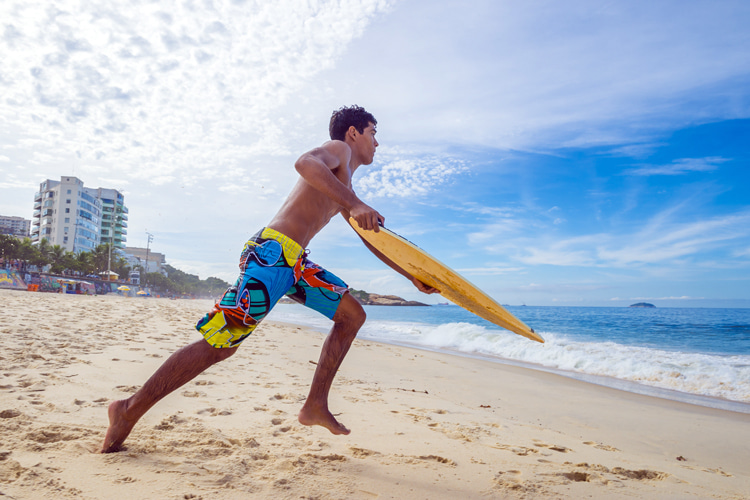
(561, 288)
(183, 89)
(184, 105)
(490, 271)
(679, 167)
(408, 177)
(12, 181)
(660, 241)
(665, 239)
(538, 74)
(684, 297)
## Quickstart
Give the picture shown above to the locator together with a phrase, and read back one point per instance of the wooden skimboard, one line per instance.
(434, 273)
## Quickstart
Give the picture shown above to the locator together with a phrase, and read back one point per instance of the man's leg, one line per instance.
(181, 367)
(348, 319)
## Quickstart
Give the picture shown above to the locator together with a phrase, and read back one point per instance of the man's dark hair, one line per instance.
(345, 117)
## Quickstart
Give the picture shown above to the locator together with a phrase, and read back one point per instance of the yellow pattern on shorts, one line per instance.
(292, 250)
(217, 334)
(226, 325)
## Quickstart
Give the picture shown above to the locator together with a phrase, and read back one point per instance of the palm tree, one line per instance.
(44, 256)
(57, 256)
(84, 263)
(120, 266)
(28, 253)
(100, 257)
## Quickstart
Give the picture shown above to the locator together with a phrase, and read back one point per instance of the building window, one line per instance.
(65, 239)
(67, 210)
(67, 201)
(67, 220)
(68, 191)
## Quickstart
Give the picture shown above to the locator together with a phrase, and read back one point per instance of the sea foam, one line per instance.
(726, 377)
(722, 376)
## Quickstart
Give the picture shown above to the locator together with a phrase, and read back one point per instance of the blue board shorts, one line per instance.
(271, 266)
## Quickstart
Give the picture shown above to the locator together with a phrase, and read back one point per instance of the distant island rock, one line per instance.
(642, 304)
(373, 299)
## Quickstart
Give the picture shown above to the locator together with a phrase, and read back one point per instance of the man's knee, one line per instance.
(350, 314)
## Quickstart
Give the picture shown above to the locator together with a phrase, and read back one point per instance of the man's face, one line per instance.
(366, 143)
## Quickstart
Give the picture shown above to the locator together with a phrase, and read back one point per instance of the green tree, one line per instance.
(160, 283)
(100, 257)
(215, 286)
(9, 247)
(120, 266)
(84, 263)
(57, 259)
(191, 284)
(29, 253)
(44, 256)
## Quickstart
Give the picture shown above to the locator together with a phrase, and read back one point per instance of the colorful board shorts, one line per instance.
(271, 266)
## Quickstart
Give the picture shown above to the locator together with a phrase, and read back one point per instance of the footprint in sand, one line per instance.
(512, 481)
(127, 388)
(585, 472)
(438, 459)
(193, 394)
(559, 449)
(521, 451)
(169, 423)
(363, 452)
(600, 446)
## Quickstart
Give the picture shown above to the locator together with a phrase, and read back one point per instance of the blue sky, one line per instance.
(585, 153)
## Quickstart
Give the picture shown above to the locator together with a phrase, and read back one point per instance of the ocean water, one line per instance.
(699, 356)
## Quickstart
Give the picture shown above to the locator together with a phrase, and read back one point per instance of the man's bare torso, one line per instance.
(307, 210)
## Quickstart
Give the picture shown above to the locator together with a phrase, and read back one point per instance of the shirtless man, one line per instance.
(273, 264)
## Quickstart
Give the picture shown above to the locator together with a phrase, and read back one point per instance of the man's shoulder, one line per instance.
(334, 149)
(336, 146)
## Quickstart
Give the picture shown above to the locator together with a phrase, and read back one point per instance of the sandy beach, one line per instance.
(424, 425)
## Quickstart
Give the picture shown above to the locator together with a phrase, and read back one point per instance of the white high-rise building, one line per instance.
(17, 226)
(114, 217)
(70, 215)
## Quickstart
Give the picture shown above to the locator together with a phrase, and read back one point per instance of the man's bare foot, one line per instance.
(322, 417)
(119, 427)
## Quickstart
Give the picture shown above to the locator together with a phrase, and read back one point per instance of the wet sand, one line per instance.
(424, 425)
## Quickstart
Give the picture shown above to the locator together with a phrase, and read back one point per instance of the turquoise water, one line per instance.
(700, 356)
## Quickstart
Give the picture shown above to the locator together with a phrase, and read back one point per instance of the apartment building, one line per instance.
(152, 262)
(16, 226)
(78, 218)
(114, 217)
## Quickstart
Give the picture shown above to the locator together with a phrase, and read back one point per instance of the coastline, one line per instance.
(424, 424)
(598, 380)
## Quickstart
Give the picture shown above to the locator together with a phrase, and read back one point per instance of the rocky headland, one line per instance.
(373, 299)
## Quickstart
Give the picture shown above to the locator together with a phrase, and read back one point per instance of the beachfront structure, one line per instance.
(136, 257)
(68, 214)
(114, 217)
(16, 226)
